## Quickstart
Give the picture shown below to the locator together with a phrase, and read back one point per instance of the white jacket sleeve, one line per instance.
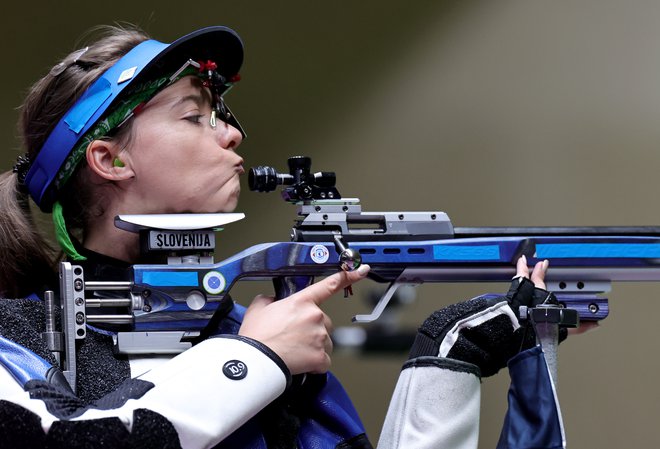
(435, 405)
(206, 392)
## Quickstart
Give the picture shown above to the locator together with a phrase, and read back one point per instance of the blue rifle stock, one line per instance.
(167, 304)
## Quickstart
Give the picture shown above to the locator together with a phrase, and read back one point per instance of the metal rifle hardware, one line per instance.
(168, 302)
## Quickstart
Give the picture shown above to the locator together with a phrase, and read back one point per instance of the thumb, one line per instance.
(259, 302)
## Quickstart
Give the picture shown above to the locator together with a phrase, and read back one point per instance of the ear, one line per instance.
(101, 156)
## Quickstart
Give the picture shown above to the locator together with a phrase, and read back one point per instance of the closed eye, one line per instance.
(197, 118)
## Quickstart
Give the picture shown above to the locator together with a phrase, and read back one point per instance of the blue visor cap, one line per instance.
(148, 60)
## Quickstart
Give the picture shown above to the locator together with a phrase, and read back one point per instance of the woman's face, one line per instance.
(181, 163)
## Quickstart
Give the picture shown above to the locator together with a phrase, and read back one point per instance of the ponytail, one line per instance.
(27, 260)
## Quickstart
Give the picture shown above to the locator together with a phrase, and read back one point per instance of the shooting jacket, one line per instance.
(227, 391)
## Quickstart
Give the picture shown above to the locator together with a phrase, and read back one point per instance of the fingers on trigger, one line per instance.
(320, 291)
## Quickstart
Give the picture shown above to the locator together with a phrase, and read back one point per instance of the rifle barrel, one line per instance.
(489, 231)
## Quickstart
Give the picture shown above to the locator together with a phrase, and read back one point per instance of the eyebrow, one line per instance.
(199, 99)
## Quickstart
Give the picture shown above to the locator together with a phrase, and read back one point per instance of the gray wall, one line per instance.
(504, 113)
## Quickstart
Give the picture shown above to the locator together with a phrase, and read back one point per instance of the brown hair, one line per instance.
(27, 260)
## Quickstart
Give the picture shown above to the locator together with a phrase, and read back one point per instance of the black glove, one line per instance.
(484, 331)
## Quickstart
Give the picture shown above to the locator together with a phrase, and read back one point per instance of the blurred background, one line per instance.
(507, 113)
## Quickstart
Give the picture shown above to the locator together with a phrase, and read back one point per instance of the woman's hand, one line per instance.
(538, 278)
(296, 328)
(538, 273)
(485, 331)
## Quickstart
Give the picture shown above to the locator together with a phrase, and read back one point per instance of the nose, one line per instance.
(229, 137)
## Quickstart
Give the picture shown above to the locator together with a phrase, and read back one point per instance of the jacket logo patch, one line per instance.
(235, 370)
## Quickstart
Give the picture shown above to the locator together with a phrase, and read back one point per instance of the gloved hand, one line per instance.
(486, 331)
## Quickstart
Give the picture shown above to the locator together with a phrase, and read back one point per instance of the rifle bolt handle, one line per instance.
(350, 260)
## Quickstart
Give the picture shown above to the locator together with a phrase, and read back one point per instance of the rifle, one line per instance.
(164, 306)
